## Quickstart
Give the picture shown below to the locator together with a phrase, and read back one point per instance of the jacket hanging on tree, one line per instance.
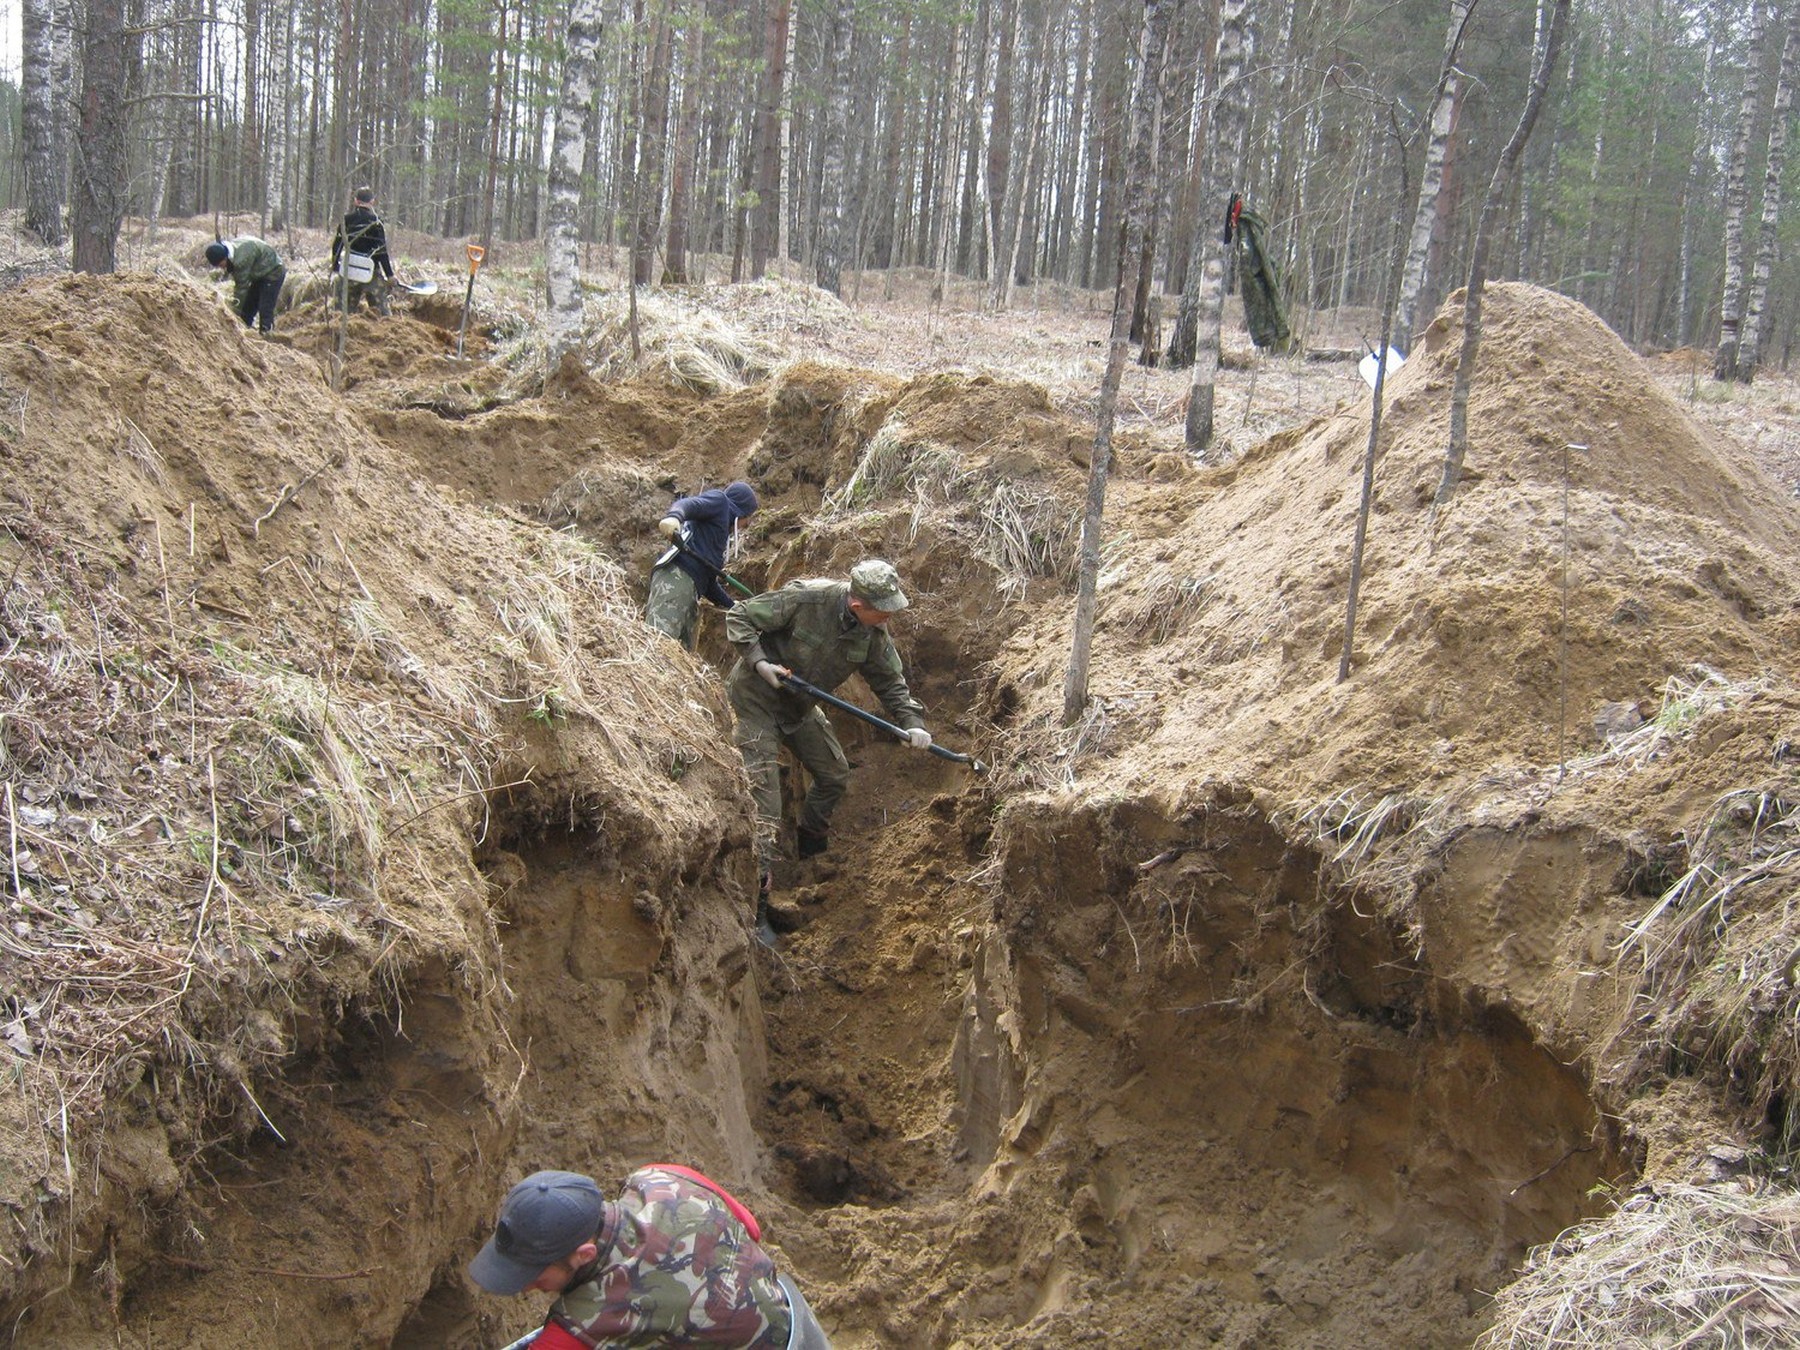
(1257, 280)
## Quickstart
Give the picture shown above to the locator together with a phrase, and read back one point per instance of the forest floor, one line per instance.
(367, 850)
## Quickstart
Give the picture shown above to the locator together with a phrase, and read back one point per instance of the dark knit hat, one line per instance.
(217, 252)
(742, 496)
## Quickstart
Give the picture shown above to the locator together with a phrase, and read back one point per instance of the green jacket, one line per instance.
(807, 626)
(252, 261)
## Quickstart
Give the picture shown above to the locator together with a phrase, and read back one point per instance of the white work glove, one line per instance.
(919, 738)
(670, 526)
(772, 674)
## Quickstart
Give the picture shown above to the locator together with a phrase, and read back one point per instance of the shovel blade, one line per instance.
(420, 288)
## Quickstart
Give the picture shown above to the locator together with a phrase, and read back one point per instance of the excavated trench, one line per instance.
(1142, 1069)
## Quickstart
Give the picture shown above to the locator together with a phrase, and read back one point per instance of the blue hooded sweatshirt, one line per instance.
(709, 517)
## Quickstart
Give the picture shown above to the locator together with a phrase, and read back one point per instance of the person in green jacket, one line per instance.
(821, 631)
(256, 273)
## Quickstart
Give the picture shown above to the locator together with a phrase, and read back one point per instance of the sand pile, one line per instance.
(272, 698)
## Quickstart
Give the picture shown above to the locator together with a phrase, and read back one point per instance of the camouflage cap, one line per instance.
(876, 583)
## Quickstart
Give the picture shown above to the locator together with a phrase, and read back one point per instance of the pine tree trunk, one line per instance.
(1012, 228)
(43, 172)
(687, 139)
(1139, 195)
(831, 178)
(1755, 315)
(1007, 17)
(1490, 215)
(100, 182)
(491, 182)
(653, 129)
(940, 292)
(765, 229)
(568, 152)
(1442, 125)
(1737, 192)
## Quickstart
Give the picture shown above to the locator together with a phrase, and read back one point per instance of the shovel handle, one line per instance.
(800, 686)
(476, 254)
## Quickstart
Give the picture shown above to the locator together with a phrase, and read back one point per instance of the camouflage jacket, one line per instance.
(252, 261)
(807, 626)
(676, 1267)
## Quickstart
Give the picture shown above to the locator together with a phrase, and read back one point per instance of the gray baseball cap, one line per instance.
(876, 583)
(543, 1219)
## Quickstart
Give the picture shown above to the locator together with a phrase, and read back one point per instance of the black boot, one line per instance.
(765, 931)
(811, 843)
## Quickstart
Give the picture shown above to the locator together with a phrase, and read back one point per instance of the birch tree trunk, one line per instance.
(1140, 194)
(1206, 282)
(1755, 316)
(276, 201)
(1006, 242)
(568, 151)
(44, 171)
(1737, 193)
(837, 115)
(1431, 182)
(1484, 231)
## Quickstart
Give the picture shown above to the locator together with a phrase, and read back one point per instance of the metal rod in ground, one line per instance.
(800, 686)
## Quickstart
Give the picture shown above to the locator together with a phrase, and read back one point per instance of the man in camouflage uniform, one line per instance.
(256, 273)
(675, 1261)
(821, 631)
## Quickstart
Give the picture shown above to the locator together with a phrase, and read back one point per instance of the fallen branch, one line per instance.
(204, 1269)
(289, 491)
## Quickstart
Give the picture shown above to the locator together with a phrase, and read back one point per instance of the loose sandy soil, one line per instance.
(366, 850)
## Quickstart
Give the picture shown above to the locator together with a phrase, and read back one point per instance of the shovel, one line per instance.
(800, 686)
(476, 253)
(679, 545)
(417, 288)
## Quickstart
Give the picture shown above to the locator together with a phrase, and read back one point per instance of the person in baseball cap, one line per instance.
(676, 1260)
(544, 1219)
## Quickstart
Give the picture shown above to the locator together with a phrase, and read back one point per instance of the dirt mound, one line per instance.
(1222, 629)
(277, 709)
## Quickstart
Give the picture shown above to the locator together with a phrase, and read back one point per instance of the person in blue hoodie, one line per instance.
(699, 530)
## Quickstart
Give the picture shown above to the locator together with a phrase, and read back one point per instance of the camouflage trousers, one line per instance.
(352, 293)
(760, 736)
(674, 604)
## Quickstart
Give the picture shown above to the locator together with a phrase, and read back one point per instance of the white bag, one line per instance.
(359, 267)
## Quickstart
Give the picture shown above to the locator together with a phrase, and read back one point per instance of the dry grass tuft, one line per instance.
(1686, 1266)
(196, 824)
(1163, 603)
(690, 346)
(1022, 531)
